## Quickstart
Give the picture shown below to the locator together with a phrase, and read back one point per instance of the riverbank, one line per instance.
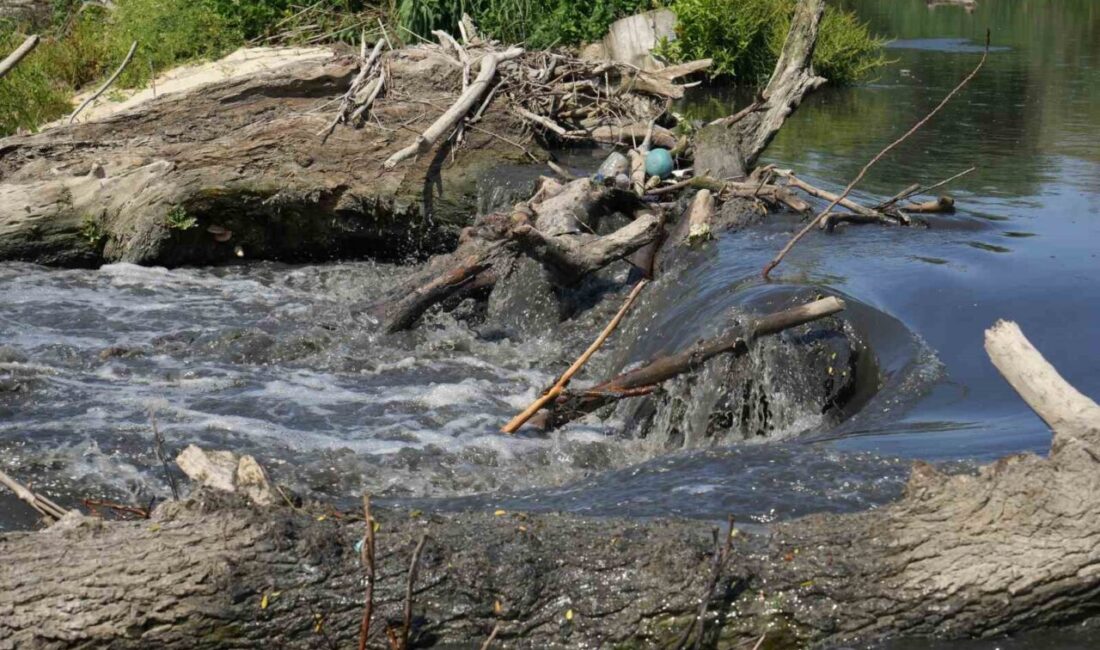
(83, 43)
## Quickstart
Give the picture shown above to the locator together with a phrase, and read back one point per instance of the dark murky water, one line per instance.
(273, 361)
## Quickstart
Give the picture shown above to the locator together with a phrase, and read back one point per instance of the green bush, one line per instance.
(40, 88)
(168, 32)
(536, 23)
(745, 37)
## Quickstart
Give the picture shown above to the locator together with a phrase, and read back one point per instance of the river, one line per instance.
(277, 361)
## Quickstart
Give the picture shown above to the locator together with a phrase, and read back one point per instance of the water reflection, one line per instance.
(1021, 245)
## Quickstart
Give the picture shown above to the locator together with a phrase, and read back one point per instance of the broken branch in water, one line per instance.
(866, 213)
(905, 136)
(917, 188)
(942, 204)
(45, 507)
(13, 59)
(570, 407)
(556, 390)
(106, 84)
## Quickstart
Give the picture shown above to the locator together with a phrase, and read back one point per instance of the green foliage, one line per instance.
(536, 23)
(92, 232)
(168, 32)
(178, 219)
(745, 37)
(297, 20)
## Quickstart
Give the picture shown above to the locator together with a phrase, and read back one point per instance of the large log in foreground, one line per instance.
(1014, 547)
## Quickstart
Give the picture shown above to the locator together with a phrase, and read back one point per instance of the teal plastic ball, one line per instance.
(658, 162)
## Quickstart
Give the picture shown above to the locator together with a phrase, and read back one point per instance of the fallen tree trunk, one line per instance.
(13, 59)
(146, 184)
(1012, 548)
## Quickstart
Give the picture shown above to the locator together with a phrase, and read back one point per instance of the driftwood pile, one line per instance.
(564, 98)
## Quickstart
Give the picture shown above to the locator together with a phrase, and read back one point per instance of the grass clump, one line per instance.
(537, 23)
(178, 219)
(92, 231)
(745, 38)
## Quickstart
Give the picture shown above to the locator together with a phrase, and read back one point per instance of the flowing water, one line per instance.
(280, 361)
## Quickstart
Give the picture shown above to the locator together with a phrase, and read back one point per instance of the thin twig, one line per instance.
(414, 568)
(562, 381)
(810, 226)
(721, 556)
(366, 558)
(107, 84)
(158, 447)
(492, 637)
(760, 641)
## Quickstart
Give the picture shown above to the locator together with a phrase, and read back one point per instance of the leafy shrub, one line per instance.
(40, 88)
(537, 23)
(745, 37)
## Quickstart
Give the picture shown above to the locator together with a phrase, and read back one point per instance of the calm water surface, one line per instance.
(273, 360)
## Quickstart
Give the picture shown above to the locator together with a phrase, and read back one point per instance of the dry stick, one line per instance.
(366, 558)
(810, 226)
(642, 380)
(917, 188)
(492, 637)
(105, 86)
(44, 506)
(796, 182)
(760, 641)
(158, 442)
(562, 381)
(15, 57)
(721, 555)
(414, 567)
(456, 112)
(356, 84)
(381, 81)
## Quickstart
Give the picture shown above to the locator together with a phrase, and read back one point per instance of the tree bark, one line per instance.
(13, 59)
(243, 154)
(729, 149)
(1015, 547)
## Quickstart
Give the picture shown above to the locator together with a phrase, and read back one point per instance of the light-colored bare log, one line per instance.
(451, 116)
(20, 52)
(1069, 413)
(106, 84)
(699, 215)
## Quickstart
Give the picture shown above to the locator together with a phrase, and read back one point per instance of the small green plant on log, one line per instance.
(178, 219)
(92, 231)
